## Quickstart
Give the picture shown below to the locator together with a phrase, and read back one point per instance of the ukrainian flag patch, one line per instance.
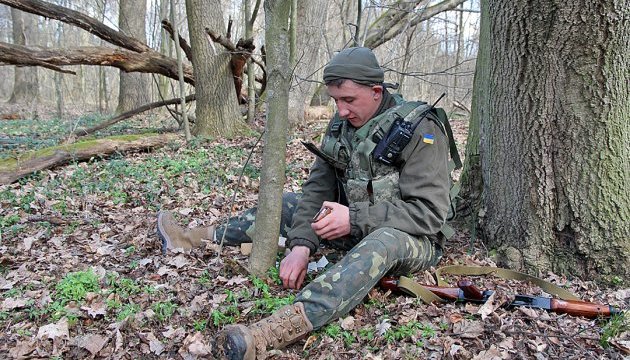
(428, 138)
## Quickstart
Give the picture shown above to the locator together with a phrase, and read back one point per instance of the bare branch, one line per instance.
(182, 42)
(126, 115)
(395, 21)
(79, 19)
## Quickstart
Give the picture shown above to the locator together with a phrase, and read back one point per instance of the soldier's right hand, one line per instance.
(293, 267)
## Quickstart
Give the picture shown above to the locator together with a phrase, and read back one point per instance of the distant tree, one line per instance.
(25, 84)
(308, 48)
(217, 110)
(133, 89)
(551, 113)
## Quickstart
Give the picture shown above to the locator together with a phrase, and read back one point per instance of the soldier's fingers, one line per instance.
(300, 279)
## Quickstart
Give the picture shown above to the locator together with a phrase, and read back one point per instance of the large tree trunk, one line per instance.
(134, 87)
(272, 178)
(309, 39)
(217, 107)
(25, 85)
(555, 136)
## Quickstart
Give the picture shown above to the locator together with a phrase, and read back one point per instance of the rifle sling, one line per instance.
(504, 274)
(419, 291)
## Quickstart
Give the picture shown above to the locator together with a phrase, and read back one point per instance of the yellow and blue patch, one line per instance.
(428, 138)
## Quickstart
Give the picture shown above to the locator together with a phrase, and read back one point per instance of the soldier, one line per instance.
(385, 203)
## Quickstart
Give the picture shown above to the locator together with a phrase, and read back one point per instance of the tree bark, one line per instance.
(133, 90)
(147, 62)
(15, 169)
(217, 110)
(272, 176)
(25, 84)
(555, 136)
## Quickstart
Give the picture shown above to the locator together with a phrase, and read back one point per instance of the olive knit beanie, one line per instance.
(356, 63)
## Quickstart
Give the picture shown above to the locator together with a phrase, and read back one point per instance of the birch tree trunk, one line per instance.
(272, 178)
(217, 107)
(133, 89)
(25, 84)
(555, 140)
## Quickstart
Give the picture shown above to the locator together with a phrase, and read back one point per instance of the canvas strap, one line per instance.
(409, 285)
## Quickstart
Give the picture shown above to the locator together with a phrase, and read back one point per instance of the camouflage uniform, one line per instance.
(240, 229)
(396, 213)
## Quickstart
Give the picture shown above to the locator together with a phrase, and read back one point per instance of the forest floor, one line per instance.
(82, 275)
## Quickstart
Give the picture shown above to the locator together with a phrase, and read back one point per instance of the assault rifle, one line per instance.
(466, 291)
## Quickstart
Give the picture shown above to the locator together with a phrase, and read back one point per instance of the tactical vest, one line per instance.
(350, 150)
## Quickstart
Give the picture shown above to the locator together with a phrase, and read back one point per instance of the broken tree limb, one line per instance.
(85, 22)
(14, 169)
(240, 53)
(128, 61)
(182, 42)
(82, 131)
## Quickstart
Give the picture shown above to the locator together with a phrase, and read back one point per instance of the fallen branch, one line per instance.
(82, 131)
(240, 52)
(14, 169)
(128, 61)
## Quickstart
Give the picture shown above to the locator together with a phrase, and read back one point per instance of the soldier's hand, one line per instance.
(293, 267)
(336, 224)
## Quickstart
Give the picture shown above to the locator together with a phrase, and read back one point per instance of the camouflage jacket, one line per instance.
(417, 202)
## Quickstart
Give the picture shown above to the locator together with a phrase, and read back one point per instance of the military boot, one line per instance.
(284, 327)
(174, 236)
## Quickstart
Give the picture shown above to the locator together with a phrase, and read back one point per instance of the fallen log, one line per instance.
(128, 61)
(13, 169)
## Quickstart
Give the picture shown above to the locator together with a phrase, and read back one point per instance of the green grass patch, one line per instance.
(616, 325)
(75, 286)
(164, 310)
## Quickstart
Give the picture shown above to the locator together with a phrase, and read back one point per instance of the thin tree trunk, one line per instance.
(274, 155)
(180, 71)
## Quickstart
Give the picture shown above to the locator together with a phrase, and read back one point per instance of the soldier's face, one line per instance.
(356, 103)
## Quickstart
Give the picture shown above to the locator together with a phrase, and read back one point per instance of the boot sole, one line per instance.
(162, 234)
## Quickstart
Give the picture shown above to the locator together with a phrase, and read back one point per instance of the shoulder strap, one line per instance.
(441, 115)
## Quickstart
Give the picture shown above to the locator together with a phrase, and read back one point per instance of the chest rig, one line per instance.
(350, 151)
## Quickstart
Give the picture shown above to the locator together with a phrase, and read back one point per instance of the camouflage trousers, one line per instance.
(240, 229)
(343, 286)
(384, 251)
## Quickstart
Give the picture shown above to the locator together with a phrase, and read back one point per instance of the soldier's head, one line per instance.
(354, 80)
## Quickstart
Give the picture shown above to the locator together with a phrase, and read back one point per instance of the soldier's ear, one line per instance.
(377, 91)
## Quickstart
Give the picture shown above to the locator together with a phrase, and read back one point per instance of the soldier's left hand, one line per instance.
(336, 224)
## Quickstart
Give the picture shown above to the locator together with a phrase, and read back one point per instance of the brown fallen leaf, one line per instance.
(53, 331)
(92, 343)
(12, 303)
(468, 329)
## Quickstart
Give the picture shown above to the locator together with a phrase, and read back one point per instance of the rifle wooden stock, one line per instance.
(582, 308)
